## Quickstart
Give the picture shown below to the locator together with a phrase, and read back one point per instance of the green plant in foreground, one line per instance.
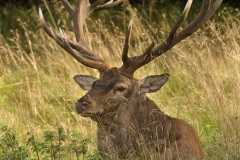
(79, 147)
(53, 145)
(10, 147)
(35, 146)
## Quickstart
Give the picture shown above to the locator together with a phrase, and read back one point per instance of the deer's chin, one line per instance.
(86, 114)
(93, 116)
(83, 112)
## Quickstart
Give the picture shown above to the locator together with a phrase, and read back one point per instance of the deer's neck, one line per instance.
(138, 113)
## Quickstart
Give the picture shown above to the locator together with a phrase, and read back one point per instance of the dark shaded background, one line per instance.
(29, 3)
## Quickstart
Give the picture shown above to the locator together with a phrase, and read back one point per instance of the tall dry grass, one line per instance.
(37, 92)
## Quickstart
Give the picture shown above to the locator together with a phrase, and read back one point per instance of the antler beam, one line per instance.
(79, 49)
(130, 65)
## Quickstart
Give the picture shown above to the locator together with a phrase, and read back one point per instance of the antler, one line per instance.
(84, 54)
(130, 65)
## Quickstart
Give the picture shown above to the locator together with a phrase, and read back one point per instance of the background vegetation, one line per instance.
(37, 93)
(29, 3)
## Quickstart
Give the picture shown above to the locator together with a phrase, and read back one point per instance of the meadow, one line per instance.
(38, 94)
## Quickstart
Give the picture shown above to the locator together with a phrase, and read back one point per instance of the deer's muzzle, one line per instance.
(82, 106)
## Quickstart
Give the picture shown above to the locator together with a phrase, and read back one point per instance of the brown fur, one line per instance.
(131, 126)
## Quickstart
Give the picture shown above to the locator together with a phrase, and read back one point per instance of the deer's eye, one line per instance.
(121, 89)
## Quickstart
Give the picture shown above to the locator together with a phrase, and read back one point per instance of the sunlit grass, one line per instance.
(37, 92)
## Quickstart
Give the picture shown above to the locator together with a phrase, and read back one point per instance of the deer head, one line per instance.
(113, 89)
(117, 85)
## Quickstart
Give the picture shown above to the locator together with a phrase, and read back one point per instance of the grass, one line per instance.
(37, 92)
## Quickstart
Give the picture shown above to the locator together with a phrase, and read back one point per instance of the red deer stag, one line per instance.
(130, 125)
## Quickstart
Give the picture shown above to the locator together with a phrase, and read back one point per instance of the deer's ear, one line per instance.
(152, 83)
(84, 81)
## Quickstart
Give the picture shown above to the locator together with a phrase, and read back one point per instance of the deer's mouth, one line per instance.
(86, 109)
(86, 114)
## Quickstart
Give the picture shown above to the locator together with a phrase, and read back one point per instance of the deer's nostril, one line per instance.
(85, 104)
(81, 106)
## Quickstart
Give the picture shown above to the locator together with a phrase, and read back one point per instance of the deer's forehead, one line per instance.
(106, 84)
(115, 73)
(111, 77)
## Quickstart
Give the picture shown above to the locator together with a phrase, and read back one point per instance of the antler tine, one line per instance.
(125, 57)
(109, 4)
(208, 9)
(175, 35)
(84, 8)
(129, 63)
(68, 7)
(181, 19)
